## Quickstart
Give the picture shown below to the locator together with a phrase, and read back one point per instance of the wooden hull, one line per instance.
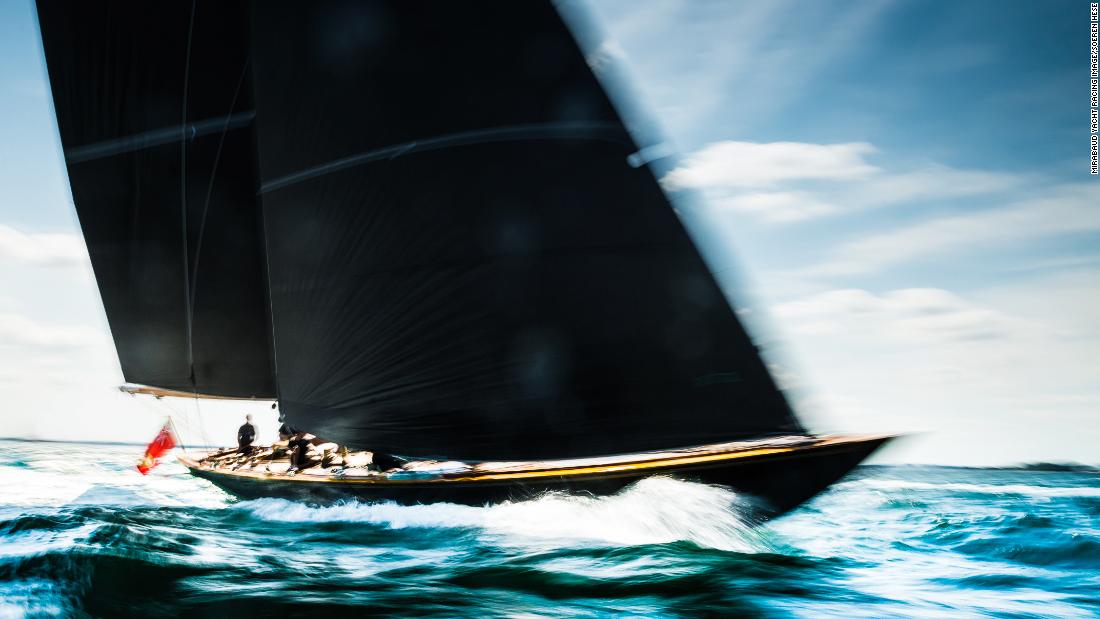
(775, 480)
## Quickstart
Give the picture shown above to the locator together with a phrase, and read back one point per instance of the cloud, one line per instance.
(978, 371)
(42, 248)
(912, 315)
(933, 181)
(774, 206)
(738, 165)
(737, 64)
(19, 330)
(1064, 209)
(781, 182)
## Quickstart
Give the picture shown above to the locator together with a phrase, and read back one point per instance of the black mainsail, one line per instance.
(462, 261)
(432, 203)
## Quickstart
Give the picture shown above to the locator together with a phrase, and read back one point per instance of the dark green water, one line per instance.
(83, 534)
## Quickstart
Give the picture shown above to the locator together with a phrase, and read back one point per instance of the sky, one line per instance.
(895, 194)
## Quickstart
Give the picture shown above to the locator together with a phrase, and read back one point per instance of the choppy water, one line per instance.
(81, 533)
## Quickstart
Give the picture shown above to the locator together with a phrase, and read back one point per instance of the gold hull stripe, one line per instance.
(629, 466)
(590, 470)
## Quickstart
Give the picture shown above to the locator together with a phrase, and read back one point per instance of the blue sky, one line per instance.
(901, 186)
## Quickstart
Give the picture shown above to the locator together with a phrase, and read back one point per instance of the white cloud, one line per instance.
(976, 374)
(933, 181)
(781, 182)
(42, 248)
(737, 165)
(1065, 209)
(774, 206)
(913, 315)
(739, 64)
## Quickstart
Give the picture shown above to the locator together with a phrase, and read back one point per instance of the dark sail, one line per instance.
(154, 105)
(462, 261)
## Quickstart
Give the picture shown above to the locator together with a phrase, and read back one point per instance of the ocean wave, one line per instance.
(655, 510)
(1063, 550)
(101, 580)
(37, 522)
(91, 537)
(1019, 489)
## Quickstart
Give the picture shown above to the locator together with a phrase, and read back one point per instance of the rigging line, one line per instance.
(183, 224)
(183, 200)
(210, 188)
(270, 307)
(172, 414)
(194, 427)
(175, 430)
(202, 426)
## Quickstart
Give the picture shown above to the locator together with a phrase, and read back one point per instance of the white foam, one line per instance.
(653, 511)
(24, 487)
(1039, 491)
(56, 483)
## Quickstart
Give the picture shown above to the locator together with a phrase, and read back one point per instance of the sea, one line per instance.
(83, 534)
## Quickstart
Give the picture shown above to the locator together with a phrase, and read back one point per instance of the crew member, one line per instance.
(245, 435)
(299, 445)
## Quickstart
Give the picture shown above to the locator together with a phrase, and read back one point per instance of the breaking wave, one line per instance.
(657, 510)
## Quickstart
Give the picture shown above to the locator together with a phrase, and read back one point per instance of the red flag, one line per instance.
(161, 445)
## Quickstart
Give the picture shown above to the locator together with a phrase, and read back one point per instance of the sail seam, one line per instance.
(183, 199)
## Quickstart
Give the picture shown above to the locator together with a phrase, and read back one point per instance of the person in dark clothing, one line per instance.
(299, 445)
(245, 435)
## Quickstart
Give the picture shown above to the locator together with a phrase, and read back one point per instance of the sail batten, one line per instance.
(156, 137)
(543, 131)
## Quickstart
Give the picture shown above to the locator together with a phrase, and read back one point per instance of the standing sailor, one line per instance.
(245, 435)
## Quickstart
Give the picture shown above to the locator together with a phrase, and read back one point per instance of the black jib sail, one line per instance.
(154, 105)
(462, 262)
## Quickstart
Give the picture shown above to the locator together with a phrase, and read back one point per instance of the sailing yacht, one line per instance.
(423, 229)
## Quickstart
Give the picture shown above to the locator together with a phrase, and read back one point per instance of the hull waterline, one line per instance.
(774, 481)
